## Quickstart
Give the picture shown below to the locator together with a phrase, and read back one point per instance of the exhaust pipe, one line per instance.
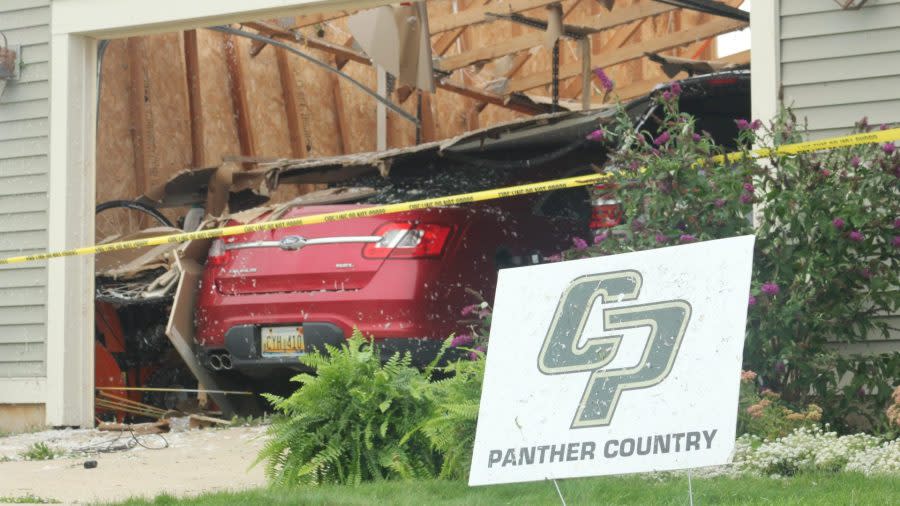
(215, 362)
(225, 360)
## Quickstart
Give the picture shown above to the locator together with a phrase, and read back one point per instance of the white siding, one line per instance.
(24, 130)
(838, 66)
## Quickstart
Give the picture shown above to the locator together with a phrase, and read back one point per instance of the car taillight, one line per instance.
(408, 240)
(217, 253)
(607, 210)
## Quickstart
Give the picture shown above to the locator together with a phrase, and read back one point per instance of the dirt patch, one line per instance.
(194, 462)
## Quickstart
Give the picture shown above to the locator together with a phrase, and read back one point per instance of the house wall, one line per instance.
(24, 144)
(837, 66)
(832, 67)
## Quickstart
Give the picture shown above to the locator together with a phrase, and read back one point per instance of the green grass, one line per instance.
(40, 451)
(818, 489)
(26, 499)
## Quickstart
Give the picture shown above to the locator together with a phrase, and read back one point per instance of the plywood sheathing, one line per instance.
(167, 111)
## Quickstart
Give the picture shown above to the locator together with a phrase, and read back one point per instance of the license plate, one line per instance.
(282, 341)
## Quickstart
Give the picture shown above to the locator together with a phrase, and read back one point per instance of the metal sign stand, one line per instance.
(690, 488)
(558, 491)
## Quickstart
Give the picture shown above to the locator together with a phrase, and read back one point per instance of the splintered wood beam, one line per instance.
(350, 54)
(239, 98)
(490, 98)
(475, 15)
(291, 109)
(138, 112)
(615, 18)
(341, 61)
(195, 105)
(429, 132)
(340, 115)
(633, 51)
(742, 58)
(446, 40)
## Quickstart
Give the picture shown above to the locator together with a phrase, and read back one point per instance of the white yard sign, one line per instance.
(613, 365)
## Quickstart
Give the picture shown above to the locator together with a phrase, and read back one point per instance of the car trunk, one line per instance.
(300, 259)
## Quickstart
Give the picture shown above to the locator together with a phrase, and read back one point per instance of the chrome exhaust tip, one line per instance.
(225, 361)
(215, 362)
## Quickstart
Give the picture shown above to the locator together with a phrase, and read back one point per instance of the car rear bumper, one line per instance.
(242, 343)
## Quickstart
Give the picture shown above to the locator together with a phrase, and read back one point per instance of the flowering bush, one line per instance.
(765, 415)
(812, 449)
(826, 256)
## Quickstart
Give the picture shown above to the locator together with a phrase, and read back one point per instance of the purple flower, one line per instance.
(474, 354)
(484, 313)
(605, 82)
(555, 258)
(854, 162)
(770, 288)
(856, 236)
(696, 137)
(579, 243)
(888, 147)
(755, 125)
(661, 238)
(675, 88)
(600, 237)
(687, 238)
(719, 203)
(751, 301)
(634, 165)
(897, 241)
(779, 367)
(838, 223)
(596, 135)
(896, 222)
(468, 309)
(461, 340)
(742, 124)
(883, 126)
(667, 95)
(866, 273)
(662, 139)
(746, 198)
(748, 187)
(825, 172)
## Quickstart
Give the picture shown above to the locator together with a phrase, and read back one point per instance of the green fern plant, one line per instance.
(353, 421)
(451, 427)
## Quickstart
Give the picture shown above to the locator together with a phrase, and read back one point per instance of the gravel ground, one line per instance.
(193, 462)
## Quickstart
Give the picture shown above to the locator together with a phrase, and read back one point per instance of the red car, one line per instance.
(267, 297)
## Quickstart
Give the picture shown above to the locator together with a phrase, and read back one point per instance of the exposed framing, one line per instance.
(75, 28)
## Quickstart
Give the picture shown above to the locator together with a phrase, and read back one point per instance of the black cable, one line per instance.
(710, 7)
(110, 446)
(555, 81)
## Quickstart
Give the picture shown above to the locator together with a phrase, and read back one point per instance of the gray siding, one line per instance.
(24, 131)
(838, 66)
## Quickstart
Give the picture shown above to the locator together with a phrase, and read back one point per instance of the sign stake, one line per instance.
(558, 491)
(690, 488)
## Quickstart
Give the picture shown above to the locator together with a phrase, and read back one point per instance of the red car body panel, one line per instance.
(387, 298)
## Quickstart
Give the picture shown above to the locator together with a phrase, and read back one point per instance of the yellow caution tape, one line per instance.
(453, 200)
(880, 136)
(512, 191)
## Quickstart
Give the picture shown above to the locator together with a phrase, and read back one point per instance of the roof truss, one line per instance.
(446, 29)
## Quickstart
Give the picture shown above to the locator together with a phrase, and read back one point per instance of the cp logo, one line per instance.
(562, 353)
